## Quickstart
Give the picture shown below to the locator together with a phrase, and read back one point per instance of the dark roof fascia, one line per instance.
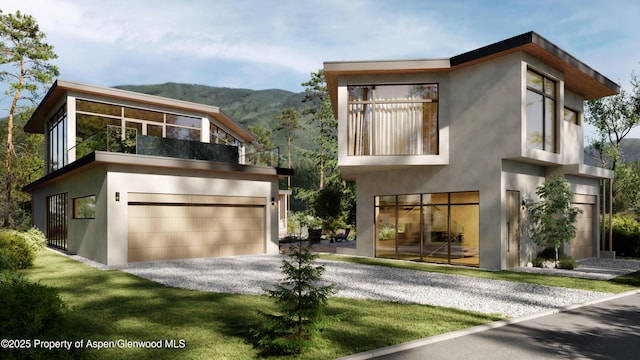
(38, 109)
(284, 171)
(101, 157)
(64, 170)
(532, 37)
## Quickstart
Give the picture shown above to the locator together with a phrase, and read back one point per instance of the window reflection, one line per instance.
(57, 130)
(437, 227)
(540, 112)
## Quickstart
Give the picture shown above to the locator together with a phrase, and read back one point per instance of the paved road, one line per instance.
(606, 330)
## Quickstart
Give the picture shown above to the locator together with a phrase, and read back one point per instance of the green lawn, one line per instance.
(113, 305)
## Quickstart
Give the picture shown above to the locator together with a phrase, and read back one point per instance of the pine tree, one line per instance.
(22, 45)
(302, 301)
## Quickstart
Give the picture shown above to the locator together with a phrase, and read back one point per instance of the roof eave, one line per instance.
(61, 87)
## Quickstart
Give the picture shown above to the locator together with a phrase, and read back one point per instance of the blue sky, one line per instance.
(277, 44)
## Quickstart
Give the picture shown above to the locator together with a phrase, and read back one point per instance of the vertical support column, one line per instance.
(71, 129)
(205, 135)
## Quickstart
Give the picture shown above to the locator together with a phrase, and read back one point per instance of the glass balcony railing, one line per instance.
(111, 139)
(269, 157)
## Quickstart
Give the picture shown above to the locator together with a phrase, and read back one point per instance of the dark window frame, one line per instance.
(57, 221)
(544, 92)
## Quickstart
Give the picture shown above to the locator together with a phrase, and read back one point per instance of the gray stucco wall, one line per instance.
(86, 237)
(483, 130)
(104, 239)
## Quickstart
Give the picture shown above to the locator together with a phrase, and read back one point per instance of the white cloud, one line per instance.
(295, 37)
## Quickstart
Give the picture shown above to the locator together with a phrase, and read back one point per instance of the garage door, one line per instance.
(163, 227)
(584, 245)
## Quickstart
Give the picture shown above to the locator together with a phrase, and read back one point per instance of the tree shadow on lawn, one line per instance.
(112, 305)
(371, 324)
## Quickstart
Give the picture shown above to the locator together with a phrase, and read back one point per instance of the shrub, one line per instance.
(5, 261)
(18, 251)
(567, 262)
(34, 238)
(548, 254)
(537, 262)
(20, 248)
(28, 310)
(626, 235)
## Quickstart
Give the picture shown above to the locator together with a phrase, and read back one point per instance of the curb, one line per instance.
(476, 329)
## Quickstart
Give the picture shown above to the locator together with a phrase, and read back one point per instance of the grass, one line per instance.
(617, 285)
(113, 305)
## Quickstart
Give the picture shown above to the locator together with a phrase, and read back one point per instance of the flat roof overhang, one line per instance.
(578, 77)
(141, 161)
(61, 87)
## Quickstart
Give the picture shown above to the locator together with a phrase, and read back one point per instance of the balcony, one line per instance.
(110, 139)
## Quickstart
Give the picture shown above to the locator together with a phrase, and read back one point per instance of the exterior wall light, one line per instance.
(117, 196)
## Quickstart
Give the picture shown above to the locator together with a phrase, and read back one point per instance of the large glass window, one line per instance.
(219, 136)
(541, 112)
(439, 227)
(57, 134)
(93, 117)
(393, 119)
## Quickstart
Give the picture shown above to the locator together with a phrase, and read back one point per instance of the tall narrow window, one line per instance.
(393, 120)
(57, 134)
(541, 112)
(56, 227)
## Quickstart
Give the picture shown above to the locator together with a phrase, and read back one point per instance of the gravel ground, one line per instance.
(252, 274)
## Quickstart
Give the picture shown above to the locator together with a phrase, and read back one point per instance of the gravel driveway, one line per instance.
(252, 274)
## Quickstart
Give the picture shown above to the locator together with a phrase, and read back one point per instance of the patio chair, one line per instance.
(341, 236)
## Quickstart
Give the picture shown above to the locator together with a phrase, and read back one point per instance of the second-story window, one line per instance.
(541, 112)
(57, 134)
(393, 120)
(571, 116)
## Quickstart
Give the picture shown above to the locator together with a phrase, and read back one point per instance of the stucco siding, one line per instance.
(126, 180)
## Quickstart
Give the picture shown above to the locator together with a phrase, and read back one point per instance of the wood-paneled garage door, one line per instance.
(584, 244)
(163, 227)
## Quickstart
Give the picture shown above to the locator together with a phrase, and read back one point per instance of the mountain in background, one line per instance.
(248, 107)
(630, 149)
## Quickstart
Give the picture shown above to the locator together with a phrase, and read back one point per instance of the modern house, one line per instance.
(133, 177)
(446, 153)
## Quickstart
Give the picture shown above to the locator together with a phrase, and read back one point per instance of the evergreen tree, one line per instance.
(289, 120)
(321, 115)
(261, 146)
(21, 46)
(302, 301)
